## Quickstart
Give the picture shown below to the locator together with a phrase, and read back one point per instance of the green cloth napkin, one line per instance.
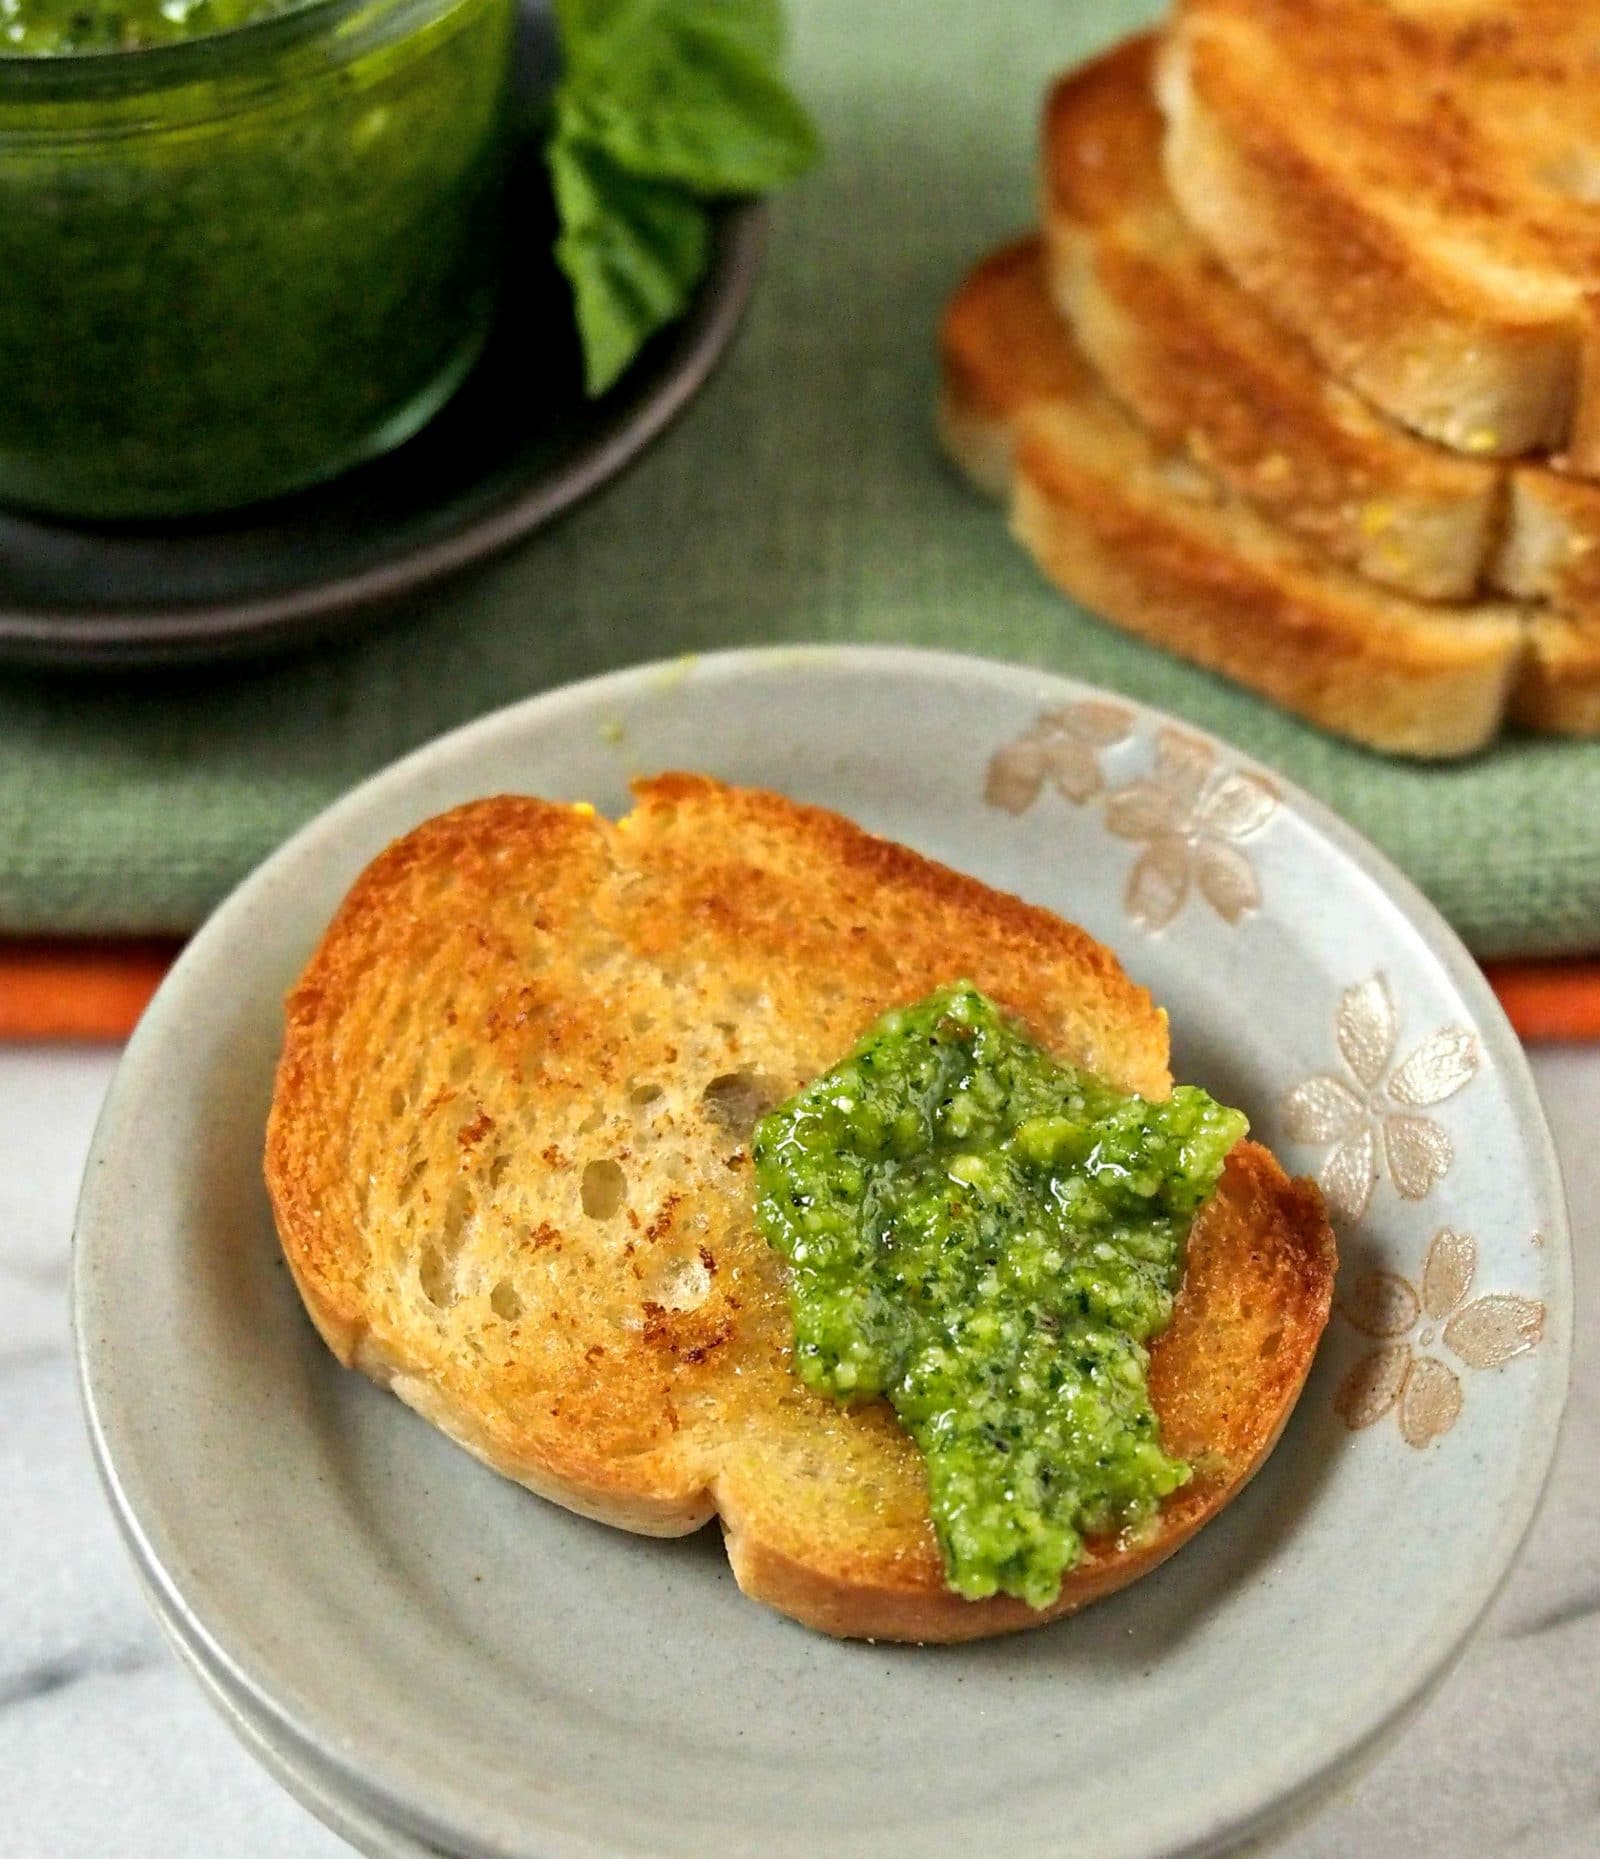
(801, 498)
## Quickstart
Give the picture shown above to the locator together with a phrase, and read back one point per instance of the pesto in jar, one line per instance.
(988, 1239)
(245, 243)
(59, 28)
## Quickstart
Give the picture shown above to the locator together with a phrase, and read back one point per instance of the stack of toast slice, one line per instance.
(1174, 392)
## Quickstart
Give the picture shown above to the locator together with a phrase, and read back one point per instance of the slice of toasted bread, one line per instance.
(1411, 186)
(1202, 366)
(1558, 692)
(1143, 537)
(508, 1156)
(1003, 351)
(1550, 540)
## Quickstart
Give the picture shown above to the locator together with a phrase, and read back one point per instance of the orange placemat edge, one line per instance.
(96, 991)
(1550, 1002)
(89, 991)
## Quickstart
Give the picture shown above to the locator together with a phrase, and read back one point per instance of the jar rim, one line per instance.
(65, 74)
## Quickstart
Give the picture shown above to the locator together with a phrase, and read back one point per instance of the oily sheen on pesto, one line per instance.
(987, 1239)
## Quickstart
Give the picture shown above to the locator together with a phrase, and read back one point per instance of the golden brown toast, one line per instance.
(1558, 692)
(1412, 186)
(1145, 538)
(1140, 535)
(1203, 367)
(508, 1156)
(1550, 540)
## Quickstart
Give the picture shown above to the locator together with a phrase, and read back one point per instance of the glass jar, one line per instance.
(236, 265)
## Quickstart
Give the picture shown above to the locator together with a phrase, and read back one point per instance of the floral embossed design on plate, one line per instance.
(1370, 1116)
(1190, 814)
(1423, 1390)
(1062, 747)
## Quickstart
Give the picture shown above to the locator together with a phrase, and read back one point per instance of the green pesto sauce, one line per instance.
(239, 272)
(56, 28)
(987, 1239)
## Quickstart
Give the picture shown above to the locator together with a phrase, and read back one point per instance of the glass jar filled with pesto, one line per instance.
(244, 244)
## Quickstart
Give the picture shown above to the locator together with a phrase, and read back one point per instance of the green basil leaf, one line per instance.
(632, 250)
(662, 104)
(592, 29)
(699, 110)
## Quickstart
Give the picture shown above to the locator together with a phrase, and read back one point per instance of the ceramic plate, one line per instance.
(359, 1828)
(453, 1659)
(518, 445)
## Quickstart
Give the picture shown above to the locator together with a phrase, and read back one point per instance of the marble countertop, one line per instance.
(107, 1750)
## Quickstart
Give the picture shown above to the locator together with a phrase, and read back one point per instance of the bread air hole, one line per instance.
(604, 1188)
(504, 1301)
(458, 1209)
(736, 1099)
(409, 1181)
(436, 1263)
(642, 1094)
(436, 1274)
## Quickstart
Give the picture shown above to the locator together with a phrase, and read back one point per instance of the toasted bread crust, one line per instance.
(1423, 685)
(1144, 539)
(1550, 546)
(1559, 690)
(1202, 366)
(507, 1159)
(1389, 181)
